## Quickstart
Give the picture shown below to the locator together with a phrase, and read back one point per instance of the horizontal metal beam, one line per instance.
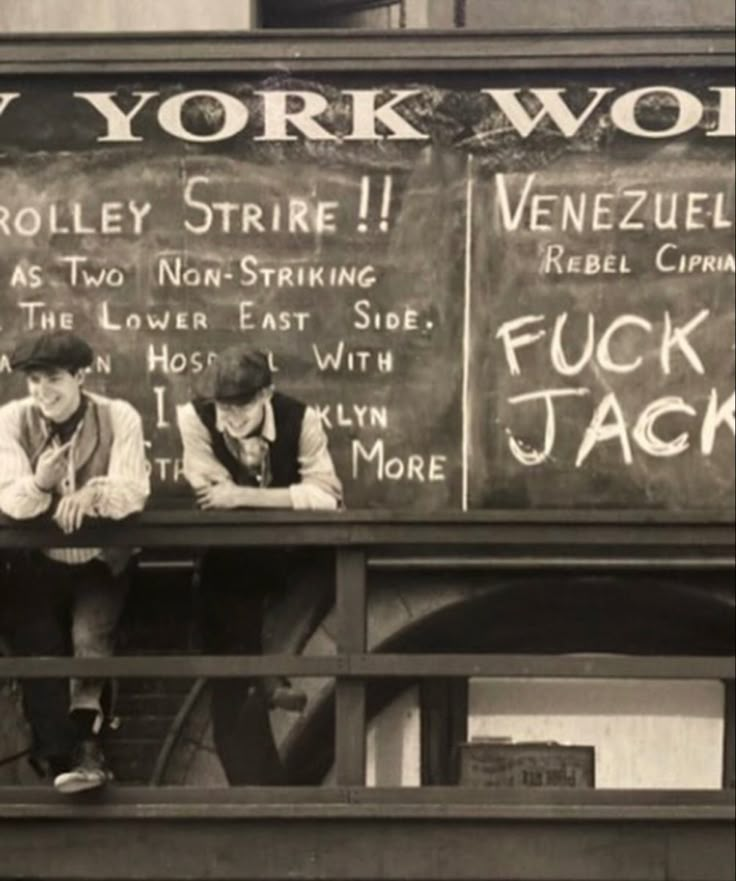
(359, 666)
(302, 51)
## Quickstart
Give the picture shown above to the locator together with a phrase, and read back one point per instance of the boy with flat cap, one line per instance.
(73, 455)
(249, 446)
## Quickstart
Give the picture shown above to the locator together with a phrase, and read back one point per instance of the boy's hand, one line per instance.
(221, 496)
(72, 510)
(52, 467)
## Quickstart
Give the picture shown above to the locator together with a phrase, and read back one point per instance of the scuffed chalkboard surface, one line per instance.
(620, 395)
(382, 274)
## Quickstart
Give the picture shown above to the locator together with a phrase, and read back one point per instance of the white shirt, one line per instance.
(121, 492)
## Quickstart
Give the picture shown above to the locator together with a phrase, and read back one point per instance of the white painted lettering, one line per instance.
(624, 112)
(367, 114)
(119, 123)
(278, 119)
(552, 106)
(233, 112)
(727, 115)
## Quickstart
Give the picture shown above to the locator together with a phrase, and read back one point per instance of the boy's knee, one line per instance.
(92, 636)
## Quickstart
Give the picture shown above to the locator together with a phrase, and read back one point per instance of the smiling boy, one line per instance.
(73, 455)
(247, 445)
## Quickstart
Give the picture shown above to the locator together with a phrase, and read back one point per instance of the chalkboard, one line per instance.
(390, 244)
(603, 324)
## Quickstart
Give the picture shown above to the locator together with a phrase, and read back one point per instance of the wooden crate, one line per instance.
(527, 765)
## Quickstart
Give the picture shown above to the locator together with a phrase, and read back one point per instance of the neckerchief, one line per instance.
(64, 431)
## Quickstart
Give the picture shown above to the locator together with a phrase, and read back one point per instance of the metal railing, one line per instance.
(377, 542)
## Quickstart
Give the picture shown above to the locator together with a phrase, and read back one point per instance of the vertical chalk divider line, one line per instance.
(467, 323)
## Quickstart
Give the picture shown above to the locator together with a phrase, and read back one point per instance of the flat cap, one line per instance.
(235, 376)
(58, 348)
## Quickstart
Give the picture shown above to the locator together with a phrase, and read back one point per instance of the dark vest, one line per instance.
(283, 452)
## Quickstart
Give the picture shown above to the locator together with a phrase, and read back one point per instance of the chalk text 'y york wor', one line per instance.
(378, 115)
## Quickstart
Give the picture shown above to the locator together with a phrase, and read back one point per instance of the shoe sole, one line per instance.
(69, 786)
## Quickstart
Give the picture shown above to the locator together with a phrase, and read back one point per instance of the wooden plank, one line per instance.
(365, 666)
(173, 667)
(458, 725)
(433, 733)
(729, 739)
(686, 861)
(400, 50)
(351, 586)
(523, 666)
(492, 517)
(530, 561)
(444, 725)
(626, 537)
(256, 809)
(130, 801)
(350, 699)
(430, 849)
(712, 60)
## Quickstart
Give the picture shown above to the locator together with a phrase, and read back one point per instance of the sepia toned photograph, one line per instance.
(367, 440)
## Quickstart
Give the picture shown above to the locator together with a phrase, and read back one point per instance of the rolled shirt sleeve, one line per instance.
(20, 498)
(200, 465)
(319, 488)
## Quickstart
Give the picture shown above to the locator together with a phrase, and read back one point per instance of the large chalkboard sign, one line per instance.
(497, 294)
(603, 327)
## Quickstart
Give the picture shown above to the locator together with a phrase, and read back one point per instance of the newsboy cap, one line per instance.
(58, 348)
(235, 376)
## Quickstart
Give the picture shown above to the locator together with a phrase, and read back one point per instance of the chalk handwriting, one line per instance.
(611, 424)
(74, 219)
(631, 210)
(673, 338)
(290, 216)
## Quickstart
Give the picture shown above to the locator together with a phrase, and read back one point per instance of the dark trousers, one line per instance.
(236, 587)
(55, 609)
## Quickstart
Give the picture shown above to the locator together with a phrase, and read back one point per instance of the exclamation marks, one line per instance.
(388, 191)
(365, 203)
(366, 199)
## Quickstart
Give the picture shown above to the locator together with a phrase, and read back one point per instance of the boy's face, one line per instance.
(55, 391)
(240, 420)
